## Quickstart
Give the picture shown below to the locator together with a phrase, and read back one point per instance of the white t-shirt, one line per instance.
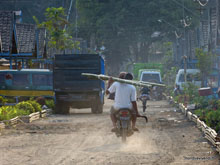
(124, 95)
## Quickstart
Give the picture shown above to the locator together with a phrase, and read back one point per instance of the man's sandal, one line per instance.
(114, 129)
(135, 129)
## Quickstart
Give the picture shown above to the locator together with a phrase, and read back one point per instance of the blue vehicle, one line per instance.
(74, 90)
(26, 82)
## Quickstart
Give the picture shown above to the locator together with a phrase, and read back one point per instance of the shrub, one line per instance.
(37, 106)
(50, 104)
(26, 107)
(11, 100)
(9, 112)
(201, 113)
(2, 100)
(213, 119)
(41, 100)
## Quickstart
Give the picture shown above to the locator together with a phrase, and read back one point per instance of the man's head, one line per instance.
(122, 75)
(128, 76)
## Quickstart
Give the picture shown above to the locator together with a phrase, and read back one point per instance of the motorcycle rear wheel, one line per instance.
(124, 135)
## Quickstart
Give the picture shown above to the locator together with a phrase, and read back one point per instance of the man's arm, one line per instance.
(110, 82)
(134, 103)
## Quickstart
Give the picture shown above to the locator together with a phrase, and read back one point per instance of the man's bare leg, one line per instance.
(113, 120)
(134, 119)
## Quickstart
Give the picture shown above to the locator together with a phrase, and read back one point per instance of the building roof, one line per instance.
(26, 70)
(6, 29)
(25, 37)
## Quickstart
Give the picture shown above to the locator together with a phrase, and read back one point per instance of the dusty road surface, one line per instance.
(83, 138)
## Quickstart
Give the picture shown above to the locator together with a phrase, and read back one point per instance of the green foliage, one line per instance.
(191, 91)
(122, 26)
(50, 104)
(169, 79)
(9, 112)
(10, 100)
(21, 109)
(2, 100)
(36, 106)
(41, 100)
(210, 113)
(213, 119)
(168, 60)
(55, 24)
(205, 62)
(201, 101)
(201, 113)
(26, 106)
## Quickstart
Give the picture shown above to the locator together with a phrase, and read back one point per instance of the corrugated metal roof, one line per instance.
(25, 37)
(6, 29)
(26, 70)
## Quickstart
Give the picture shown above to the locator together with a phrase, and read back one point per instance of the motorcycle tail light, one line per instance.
(124, 113)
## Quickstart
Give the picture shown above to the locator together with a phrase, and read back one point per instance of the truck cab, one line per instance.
(150, 75)
(154, 76)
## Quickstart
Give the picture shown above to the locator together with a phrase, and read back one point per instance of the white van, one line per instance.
(191, 76)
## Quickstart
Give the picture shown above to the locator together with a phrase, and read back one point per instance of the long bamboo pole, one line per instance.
(132, 82)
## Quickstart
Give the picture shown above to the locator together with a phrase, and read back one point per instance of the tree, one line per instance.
(125, 27)
(54, 24)
(204, 63)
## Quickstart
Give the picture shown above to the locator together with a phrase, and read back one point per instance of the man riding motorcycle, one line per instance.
(125, 97)
(145, 95)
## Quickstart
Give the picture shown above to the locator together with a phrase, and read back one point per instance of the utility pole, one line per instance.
(184, 43)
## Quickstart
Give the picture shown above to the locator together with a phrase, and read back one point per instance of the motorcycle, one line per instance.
(123, 124)
(144, 98)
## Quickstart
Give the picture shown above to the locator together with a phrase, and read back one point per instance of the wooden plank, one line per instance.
(43, 113)
(210, 139)
(2, 125)
(199, 123)
(189, 115)
(132, 82)
(31, 117)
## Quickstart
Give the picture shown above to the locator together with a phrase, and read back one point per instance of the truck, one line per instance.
(149, 75)
(74, 90)
(154, 76)
(140, 66)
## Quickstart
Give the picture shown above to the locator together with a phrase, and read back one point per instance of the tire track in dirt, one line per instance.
(83, 138)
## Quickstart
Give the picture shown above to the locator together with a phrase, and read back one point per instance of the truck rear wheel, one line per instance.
(61, 107)
(57, 108)
(65, 108)
(97, 108)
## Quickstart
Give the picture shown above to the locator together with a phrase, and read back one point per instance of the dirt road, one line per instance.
(83, 138)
